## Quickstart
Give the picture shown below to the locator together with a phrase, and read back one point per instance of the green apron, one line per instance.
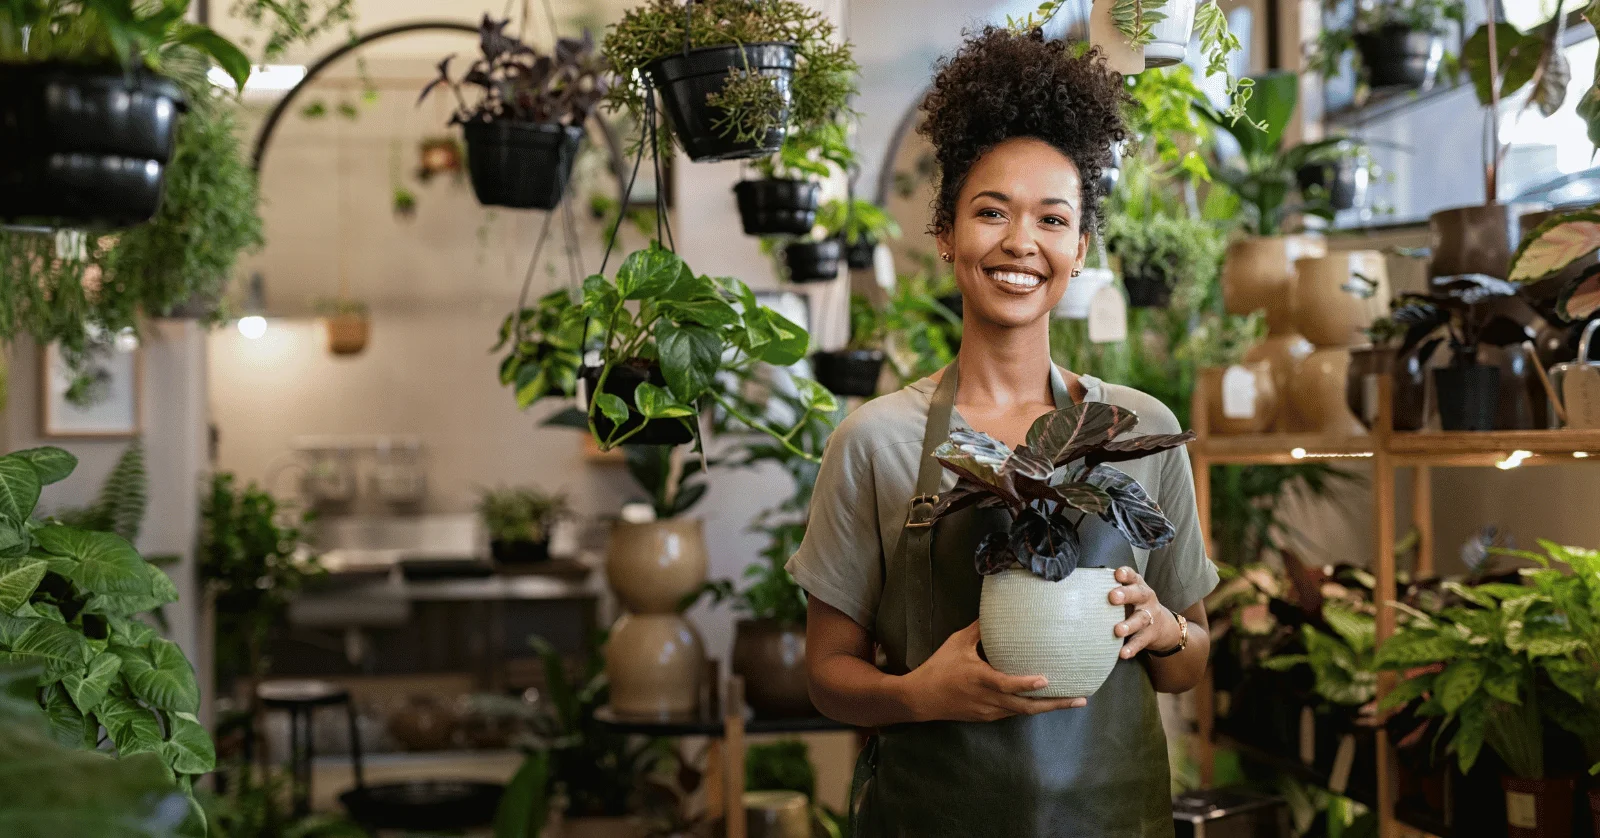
(1093, 772)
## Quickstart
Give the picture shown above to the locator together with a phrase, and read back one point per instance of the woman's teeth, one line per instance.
(1020, 280)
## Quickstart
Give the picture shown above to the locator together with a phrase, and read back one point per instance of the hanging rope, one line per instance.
(527, 277)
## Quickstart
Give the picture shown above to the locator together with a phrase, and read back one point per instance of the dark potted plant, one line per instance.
(1337, 177)
(88, 112)
(1467, 391)
(861, 225)
(855, 369)
(525, 123)
(810, 259)
(734, 78)
(1396, 43)
(783, 201)
(1407, 369)
(1157, 252)
(518, 521)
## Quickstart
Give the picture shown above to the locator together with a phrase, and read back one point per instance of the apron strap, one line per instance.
(915, 552)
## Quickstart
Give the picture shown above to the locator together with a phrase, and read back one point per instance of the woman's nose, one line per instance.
(1019, 242)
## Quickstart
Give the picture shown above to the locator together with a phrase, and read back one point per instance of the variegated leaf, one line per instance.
(1132, 511)
(1057, 434)
(1580, 298)
(1136, 447)
(1555, 244)
(1085, 497)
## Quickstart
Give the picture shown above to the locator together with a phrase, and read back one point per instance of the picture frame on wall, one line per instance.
(105, 405)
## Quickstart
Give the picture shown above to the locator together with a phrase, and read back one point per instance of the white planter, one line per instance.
(1061, 630)
(1171, 44)
(1081, 289)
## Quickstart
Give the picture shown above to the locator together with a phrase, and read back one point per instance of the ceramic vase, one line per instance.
(1474, 240)
(771, 657)
(654, 663)
(1258, 274)
(1249, 407)
(1318, 393)
(1169, 37)
(1282, 353)
(651, 566)
(1338, 295)
(1061, 630)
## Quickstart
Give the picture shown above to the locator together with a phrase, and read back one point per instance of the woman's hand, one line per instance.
(1149, 624)
(955, 684)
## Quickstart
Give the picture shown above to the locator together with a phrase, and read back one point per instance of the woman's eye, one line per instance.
(989, 213)
(1055, 219)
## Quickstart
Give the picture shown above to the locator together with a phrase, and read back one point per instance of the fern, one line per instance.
(120, 506)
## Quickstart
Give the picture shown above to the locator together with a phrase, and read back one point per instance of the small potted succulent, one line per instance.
(518, 521)
(1241, 397)
(526, 120)
(1075, 518)
(855, 369)
(734, 77)
(1396, 43)
(784, 199)
(861, 225)
(90, 102)
(1468, 392)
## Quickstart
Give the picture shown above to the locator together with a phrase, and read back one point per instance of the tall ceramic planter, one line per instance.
(1241, 399)
(1283, 353)
(1474, 240)
(771, 657)
(1258, 274)
(654, 658)
(1539, 808)
(1318, 393)
(1061, 630)
(1338, 295)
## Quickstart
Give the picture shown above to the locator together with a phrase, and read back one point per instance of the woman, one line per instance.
(1022, 129)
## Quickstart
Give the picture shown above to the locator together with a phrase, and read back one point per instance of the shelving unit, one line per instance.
(1388, 451)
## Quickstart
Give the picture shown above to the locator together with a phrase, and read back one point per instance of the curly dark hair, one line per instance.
(1003, 84)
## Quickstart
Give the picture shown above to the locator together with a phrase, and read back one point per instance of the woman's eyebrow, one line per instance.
(990, 193)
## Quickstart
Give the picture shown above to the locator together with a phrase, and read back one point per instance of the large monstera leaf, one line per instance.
(1062, 436)
(1132, 511)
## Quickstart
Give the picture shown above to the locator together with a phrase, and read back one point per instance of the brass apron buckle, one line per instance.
(921, 512)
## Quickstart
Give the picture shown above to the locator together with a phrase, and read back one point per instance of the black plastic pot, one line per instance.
(1396, 56)
(84, 145)
(519, 552)
(623, 380)
(851, 372)
(1468, 395)
(522, 165)
(858, 254)
(777, 206)
(1147, 292)
(813, 261)
(1341, 181)
(686, 80)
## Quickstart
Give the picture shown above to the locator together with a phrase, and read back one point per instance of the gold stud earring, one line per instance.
(1076, 272)
(946, 257)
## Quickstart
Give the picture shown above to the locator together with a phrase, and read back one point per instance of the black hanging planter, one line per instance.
(522, 165)
(85, 145)
(849, 372)
(813, 261)
(687, 79)
(1147, 292)
(1398, 56)
(1468, 395)
(1341, 181)
(623, 380)
(777, 206)
(858, 254)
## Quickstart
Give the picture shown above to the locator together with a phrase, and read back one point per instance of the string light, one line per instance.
(1513, 460)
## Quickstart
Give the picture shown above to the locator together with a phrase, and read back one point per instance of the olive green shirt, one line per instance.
(869, 474)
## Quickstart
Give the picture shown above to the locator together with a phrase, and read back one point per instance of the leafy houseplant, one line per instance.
(1241, 397)
(1397, 43)
(545, 349)
(783, 200)
(734, 77)
(519, 521)
(1156, 252)
(1468, 392)
(855, 370)
(349, 324)
(120, 506)
(524, 123)
(861, 225)
(69, 600)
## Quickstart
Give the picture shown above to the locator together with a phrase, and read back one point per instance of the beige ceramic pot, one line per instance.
(1062, 630)
(777, 814)
(771, 657)
(348, 333)
(1258, 274)
(654, 663)
(1283, 353)
(1318, 393)
(1250, 403)
(1338, 295)
(652, 566)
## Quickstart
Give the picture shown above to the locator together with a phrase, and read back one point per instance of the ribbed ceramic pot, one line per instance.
(654, 663)
(652, 566)
(1283, 353)
(1252, 411)
(1318, 393)
(1338, 295)
(1258, 274)
(1062, 630)
(1169, 42)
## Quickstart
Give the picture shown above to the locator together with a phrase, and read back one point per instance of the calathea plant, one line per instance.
(1048, 484)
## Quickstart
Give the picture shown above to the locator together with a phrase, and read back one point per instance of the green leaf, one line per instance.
(133, 729)
(1518, 59)
(19, 488)
(52, 464)
(1409, 649)
(649, 273)
(18, 579)
(690, 356)
(789, 343)
(1556, 243)
(656, 403)
(1283, 663)
(533, 384)
(1553, 646)
(160, 676)
(66, 721)
(524, 807)
(188, 748)
(1358, 630)
(1457, 684)
(161, 592)
(713, 313)
(613, 407)
(600, 297)
(89, 687)
(131, 632)
(1503, 686)
(229, 57)
(106, 564)
(1405, 692)
(57, 647)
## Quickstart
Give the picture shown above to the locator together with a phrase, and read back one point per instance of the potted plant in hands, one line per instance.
(861, 225)
(734, 78)
(855, 369)
(1397, 43)
(1468, 392)
(783, 201)
(525, 122)
(1075, 519)
(1241, 398)
(518, 521)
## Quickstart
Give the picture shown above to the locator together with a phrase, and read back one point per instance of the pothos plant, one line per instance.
(545, 349)
(856, 220)
(1061, 474)
(810, 153)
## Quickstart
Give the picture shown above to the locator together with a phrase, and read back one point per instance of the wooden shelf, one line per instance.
(1265, 449)
(1441, 448)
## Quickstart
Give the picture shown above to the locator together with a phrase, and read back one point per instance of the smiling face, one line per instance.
(1015, 237)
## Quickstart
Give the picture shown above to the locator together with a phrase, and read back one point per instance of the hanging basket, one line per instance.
(83, 145)
(777, 206)
(859, 253)
(851, 372)
(1146, 291)
(522, 165)
(623, 380)
(1398, 56)
(348, 333)
(688, 79)
(813, 261)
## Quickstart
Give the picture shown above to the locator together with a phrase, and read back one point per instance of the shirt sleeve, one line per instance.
(1180, 573)
(840, 560)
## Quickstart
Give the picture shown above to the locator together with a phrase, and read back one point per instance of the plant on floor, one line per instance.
(824, 76)
(856, 220)
(70, 601)
(511, 81)
(257, 808)
(520, 514)
(120, 506)
(1221, 340)
(785, 765)
(1327, 53)
(544, 349)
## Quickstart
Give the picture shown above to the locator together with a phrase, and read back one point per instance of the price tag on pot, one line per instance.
(1238, 393)
(1580, 395)
(1522, 810)
(1108, 316)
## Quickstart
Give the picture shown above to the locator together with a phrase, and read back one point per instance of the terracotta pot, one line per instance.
(348, 333)
(652, 566)
(1338, 295)
(1283, 353)
(1258, 273)
(1255, 408)
(1539, 808)
(423, 724)
(1318, 393)
(1474, 240)
(777, 814)
(654, 663)
(772, 659)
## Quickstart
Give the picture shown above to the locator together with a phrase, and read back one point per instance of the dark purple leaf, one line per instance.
(965, 494)
(995, 554)
(1135, 447)
(1132, 511)
(1046, 545)
(444, 78)
(1085, 497)
(1473, 288)
(1055, 435)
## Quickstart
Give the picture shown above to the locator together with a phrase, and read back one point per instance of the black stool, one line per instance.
(300, 699)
